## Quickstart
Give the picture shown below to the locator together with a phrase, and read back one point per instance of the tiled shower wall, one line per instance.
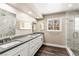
(7, 23)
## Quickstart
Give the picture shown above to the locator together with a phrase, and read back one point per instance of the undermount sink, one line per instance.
(9, 44)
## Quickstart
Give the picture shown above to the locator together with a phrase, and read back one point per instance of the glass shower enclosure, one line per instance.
(73, 33)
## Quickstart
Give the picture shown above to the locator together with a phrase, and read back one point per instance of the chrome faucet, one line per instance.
(10, 38)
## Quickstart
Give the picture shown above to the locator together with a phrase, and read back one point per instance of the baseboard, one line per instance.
(55, 45)
(69, 51)
(60, 46)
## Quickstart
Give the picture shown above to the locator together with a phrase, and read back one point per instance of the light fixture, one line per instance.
(37, 17)
(30, 12)
(69, 5)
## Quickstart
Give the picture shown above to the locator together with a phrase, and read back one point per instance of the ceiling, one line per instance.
(26, 8)
(36, 10)
(47, 8)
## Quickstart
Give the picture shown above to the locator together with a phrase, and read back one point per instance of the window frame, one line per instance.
(53, 19)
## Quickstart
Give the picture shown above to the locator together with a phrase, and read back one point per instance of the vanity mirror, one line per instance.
(7, 23)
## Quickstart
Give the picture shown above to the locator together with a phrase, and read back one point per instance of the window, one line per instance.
(77, 23)
(54, 24)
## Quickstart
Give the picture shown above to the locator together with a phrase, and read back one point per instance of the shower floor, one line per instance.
(76, 52)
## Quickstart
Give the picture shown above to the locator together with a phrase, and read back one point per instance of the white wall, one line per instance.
(24, 17)
(53, 37)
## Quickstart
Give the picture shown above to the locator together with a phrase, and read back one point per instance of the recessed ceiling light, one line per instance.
(37, 17)
(69, 5)
(29, 12)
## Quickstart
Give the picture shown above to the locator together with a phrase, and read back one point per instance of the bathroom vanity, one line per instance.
(25, 45)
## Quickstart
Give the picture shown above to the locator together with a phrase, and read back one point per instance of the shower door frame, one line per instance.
(66, 31)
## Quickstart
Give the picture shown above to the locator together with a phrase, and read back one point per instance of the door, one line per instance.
(76, 34)
(73, 32)
(33, 27)
(70, 31)
(24, 50)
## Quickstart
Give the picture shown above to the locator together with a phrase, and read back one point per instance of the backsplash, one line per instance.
(7, 23)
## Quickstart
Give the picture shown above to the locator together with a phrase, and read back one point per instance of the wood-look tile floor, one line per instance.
(51, 51)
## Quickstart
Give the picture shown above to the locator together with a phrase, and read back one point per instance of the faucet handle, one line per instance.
(10, 37)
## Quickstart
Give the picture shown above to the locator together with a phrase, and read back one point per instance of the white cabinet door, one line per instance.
(14, 51)
(24, 51)
(35, 44)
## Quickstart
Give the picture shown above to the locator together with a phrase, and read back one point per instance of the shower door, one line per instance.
(73, 34)
(70, 32)
(76, 33)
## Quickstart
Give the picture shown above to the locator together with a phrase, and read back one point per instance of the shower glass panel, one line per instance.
(73, 34)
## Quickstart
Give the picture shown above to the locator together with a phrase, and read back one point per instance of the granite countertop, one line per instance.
(21, 40)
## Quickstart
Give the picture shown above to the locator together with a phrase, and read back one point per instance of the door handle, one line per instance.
(75, 35)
